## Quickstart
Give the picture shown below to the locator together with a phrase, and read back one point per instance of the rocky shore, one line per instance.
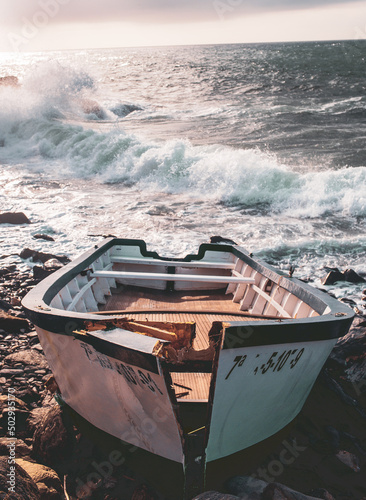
(46, 456)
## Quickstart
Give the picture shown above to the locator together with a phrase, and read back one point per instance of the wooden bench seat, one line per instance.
(171, 277)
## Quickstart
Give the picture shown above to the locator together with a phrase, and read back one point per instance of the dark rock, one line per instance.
(348, 301)
(214, 495)
(12, 324)
(14, 218)
(246, 485)
(332, 277)
(53, 438)
(276, 491)
(25, 486)
(21, 449)
(28, 394)
(142, 493)
(351, 276)
(36, 256)
(27, 357)
(5, 306)
(322, 493)
(350, 354)
(220, 239)
(40, 273)
(46, 237)
(335, 275)
(7, 270)
(50, 266)
(123, 110)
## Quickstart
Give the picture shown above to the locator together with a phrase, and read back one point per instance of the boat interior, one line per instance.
(183, 301)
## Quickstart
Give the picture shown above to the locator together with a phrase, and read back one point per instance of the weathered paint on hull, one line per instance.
(259, 390)
(129, 402)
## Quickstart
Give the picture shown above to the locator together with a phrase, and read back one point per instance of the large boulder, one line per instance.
(335, 275)
(53, 439)
(14, 218)
(24, 486)
(46, 479)
(246, 485)
(28, 357)
(35, 256)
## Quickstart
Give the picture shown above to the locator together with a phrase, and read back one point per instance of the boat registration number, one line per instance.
(275, 363)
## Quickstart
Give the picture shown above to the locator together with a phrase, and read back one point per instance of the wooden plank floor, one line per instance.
(193, 387)
(141, 299)
(201, 307)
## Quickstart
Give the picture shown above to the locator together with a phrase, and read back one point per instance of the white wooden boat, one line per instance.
(136, 342)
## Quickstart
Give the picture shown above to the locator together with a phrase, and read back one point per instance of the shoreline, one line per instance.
(336, 409)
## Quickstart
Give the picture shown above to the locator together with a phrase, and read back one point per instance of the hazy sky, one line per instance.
(65, 24)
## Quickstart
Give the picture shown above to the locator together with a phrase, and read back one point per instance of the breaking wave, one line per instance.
(41, 126)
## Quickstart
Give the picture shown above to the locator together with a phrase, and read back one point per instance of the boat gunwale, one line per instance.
(36, 302)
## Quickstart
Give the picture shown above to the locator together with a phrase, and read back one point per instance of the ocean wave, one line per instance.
(244, 178)
(37, 121)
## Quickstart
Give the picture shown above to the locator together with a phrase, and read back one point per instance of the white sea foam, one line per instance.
(248, 178)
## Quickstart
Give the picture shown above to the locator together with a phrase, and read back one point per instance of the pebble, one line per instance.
(10, 371)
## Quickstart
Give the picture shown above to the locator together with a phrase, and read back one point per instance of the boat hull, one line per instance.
(126, 396)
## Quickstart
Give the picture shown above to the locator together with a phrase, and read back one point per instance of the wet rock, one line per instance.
(350, 353)
(123, 110)
(49, 267)
(220, 239)
(12, 324)
(14, 218)
(332, 277)
(40, 273)
(42, 236)
(276, 491)
(53, 438)
(9, 80)
(351, 276)
(21, 449)
(28, 394)
(46, 479)
(335, 275)
(27, 357)
(349, 459)
(25, 487)
(91, 107)
(246, 485)
(36, 256)
(214, 495)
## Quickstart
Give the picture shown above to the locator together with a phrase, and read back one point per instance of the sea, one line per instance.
(260, 143)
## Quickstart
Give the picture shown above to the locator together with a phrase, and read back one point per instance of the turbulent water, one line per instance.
(264, 144)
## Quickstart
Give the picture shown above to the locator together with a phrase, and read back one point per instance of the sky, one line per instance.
(35, 25)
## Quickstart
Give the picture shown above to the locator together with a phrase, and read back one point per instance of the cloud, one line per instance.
(147, 11)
